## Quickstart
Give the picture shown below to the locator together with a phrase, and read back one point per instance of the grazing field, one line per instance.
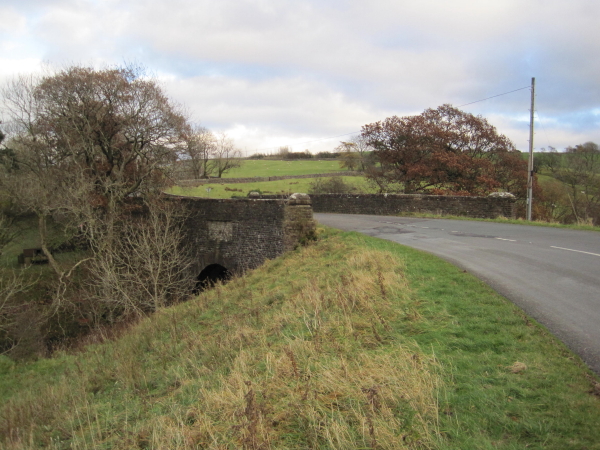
(352, 342)
(266, 187)
(272, 168)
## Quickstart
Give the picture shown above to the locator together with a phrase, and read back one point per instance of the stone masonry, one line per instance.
(489, 207)
(392, 204)
(240, 234)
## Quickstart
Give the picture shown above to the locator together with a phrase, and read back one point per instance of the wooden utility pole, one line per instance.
(530, 165)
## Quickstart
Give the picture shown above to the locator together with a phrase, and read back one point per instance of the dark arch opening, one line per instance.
(210, 275)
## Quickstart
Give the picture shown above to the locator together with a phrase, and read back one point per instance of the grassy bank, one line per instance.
(352, 342)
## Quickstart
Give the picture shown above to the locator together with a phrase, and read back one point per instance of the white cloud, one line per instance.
(12, 21)
(290, 109)
(10, 68)
(271, 70)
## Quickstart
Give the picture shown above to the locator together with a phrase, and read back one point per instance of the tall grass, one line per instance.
(350, 343)
(302, 353)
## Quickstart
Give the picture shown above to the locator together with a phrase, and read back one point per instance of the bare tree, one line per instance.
(349, 158)
(12, 283)
(148, 269)
(199, 150)
(226, 156)
(283, 151)
(359, 147)
(7, 232)
(362, 147)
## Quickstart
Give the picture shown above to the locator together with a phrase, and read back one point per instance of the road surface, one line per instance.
(552, 273)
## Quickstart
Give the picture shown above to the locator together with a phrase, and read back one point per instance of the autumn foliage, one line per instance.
(444, 151)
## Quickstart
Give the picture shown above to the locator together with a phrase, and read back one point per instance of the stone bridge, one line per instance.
(229, 236)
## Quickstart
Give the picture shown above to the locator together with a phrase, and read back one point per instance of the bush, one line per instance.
(333, 185)
(297, 155)
(327, 155)
(257, 156)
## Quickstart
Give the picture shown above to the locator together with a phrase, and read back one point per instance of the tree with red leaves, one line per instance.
(444, 151)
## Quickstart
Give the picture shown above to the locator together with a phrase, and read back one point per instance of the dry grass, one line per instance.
(518, 367)
(301, 353)
(335, 346)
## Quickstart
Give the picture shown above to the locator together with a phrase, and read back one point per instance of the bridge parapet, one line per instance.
(240, 234)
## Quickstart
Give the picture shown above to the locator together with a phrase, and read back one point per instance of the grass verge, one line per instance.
(534, 223)
(352, 342)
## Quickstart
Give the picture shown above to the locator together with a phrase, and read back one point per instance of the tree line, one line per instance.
(571, 190)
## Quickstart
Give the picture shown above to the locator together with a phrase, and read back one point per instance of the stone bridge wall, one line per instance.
(240, 234)
(392, 204)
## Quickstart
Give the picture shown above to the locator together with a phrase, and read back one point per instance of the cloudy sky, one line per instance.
(304, 73)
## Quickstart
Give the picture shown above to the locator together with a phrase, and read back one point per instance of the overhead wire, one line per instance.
(355, 132)
(543, 128)
(494, 96)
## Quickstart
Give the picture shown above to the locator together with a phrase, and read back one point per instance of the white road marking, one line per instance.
(511, 240)
(578, 251)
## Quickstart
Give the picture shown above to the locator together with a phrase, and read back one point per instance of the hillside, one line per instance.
(352, 342)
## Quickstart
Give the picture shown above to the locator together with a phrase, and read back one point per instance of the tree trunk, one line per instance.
(44, 244)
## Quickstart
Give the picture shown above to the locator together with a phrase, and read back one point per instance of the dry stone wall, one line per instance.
(490, 207)
(393, 204)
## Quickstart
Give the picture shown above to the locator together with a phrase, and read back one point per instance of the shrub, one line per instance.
(327, 155)
(297, 155)
(333, 185)
(257, 156)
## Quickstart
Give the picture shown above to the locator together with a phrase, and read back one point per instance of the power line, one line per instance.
(355, 132)
(543, 128)
(494, 96)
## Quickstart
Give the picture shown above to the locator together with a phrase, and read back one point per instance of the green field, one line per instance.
(269, 168)
(272, 168)
(266, 187)
(350, 343)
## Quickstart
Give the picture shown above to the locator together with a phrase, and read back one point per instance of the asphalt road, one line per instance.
(552, 273)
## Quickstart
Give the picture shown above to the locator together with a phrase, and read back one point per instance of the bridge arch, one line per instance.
(211, 274)
(236, 235)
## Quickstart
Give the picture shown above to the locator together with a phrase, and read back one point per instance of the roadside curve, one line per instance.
(552, 273)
